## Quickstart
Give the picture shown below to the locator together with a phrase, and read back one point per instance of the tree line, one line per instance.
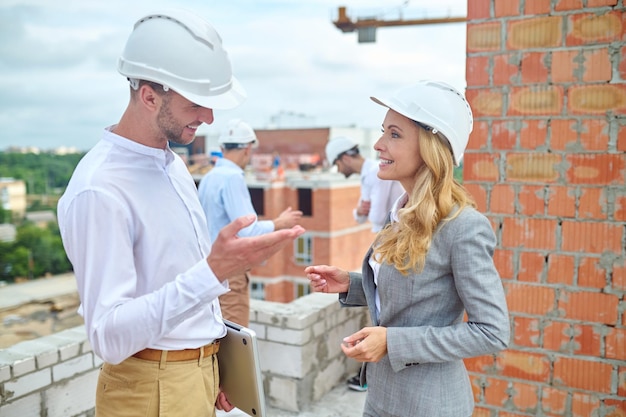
(36, 251)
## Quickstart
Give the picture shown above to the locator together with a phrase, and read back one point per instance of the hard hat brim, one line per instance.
(230, 99)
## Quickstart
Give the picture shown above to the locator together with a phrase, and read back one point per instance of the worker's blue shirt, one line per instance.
(224, 197)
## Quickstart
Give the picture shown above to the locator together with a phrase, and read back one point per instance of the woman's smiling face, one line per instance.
(399, 151)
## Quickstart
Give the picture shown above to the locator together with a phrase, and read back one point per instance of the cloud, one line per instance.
(61, 87)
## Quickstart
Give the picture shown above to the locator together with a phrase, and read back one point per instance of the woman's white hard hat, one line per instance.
(437, 106)
(182, 52)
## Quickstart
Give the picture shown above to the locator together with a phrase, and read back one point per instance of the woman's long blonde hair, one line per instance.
(435, 194)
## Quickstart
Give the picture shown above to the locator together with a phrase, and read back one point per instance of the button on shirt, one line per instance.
(224, 197)
(136, 235)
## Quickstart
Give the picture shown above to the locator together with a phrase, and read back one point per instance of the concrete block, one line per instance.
(281, 359)
(73, 397)
(72, 367)
(26, 384)
(21, 363)
(5, 372)
(26, 406)
(282, 393)
(45, 354)
(289, 336)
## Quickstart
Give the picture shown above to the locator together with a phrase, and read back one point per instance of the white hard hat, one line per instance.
(238, 132)
(339, 145)
(438, 107)
(181, 51)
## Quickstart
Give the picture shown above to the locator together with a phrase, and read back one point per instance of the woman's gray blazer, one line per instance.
(423, 373)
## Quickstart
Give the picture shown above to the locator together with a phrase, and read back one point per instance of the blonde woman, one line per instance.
(430, 266)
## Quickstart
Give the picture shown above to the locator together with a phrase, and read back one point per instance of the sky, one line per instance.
(59, 84)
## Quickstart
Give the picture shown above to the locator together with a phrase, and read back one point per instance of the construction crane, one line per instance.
(366, 26)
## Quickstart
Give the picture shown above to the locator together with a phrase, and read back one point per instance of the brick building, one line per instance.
(547, 164)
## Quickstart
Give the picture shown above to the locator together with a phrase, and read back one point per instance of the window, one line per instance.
(300, 289)
(257, 290)
(257, 195)
(302, 250)
(305, 201)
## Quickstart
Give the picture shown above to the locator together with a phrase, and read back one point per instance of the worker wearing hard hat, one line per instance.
(135, 232)
(377, 195)
(430, 267)
(224, 196)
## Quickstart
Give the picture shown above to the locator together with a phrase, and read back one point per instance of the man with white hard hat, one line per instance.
(377, 196)
(137, 237)
(224, 196)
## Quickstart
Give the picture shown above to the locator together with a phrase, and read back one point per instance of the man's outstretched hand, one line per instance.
(231, 255)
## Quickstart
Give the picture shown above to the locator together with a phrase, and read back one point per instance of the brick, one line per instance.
(591, 237)
(587, 340)
(480, 364)
(72, 367)
(553, 400)
(533, 134)
(534, 69)
(621, 138)
(486, 102)
(529, 233)
(591, 375)
(563, 5)
(621, 381)
(619, 277)
(531, 200)
(564, 66)
(540, 32)
(536, 100)
(526, 332)
(537, 7)
(532, 167)
(479, 135)
(504, 8)
(615, 407)
(479, 194)
(616, 344)
(483, 37)
(584, 405)
(530, 299)
(594, 135)
(622, 63)
(597, 65)
(592, 203)
(477, 71)
(560, 269)
(506, 69)
(503, 135)
(596, 169)
(596, 99)
(619, 207)
(589, 306)
(588, 28)
(503, 260)
(591, 273)
(525, 397)
(524, 365)
(561, 201)
(478, 9)
(600, 3)
(496, 392)
(562, 133)
(502, 199)
(532, 265)
(557, 336)
(480, 167)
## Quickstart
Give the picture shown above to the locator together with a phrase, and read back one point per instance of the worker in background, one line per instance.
(377, 196)
(224, 196)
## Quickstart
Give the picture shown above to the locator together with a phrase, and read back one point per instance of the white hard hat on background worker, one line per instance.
(437, 107)
(338, 146)
(189, 59)
(237, 133)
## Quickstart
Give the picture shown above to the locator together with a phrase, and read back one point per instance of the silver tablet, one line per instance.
(240, 372)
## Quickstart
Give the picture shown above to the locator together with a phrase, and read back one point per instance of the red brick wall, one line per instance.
(547, 164)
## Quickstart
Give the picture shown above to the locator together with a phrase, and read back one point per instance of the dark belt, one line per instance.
(178, 355)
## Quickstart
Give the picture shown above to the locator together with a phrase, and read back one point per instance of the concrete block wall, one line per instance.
(547, 164)
(56, 375)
